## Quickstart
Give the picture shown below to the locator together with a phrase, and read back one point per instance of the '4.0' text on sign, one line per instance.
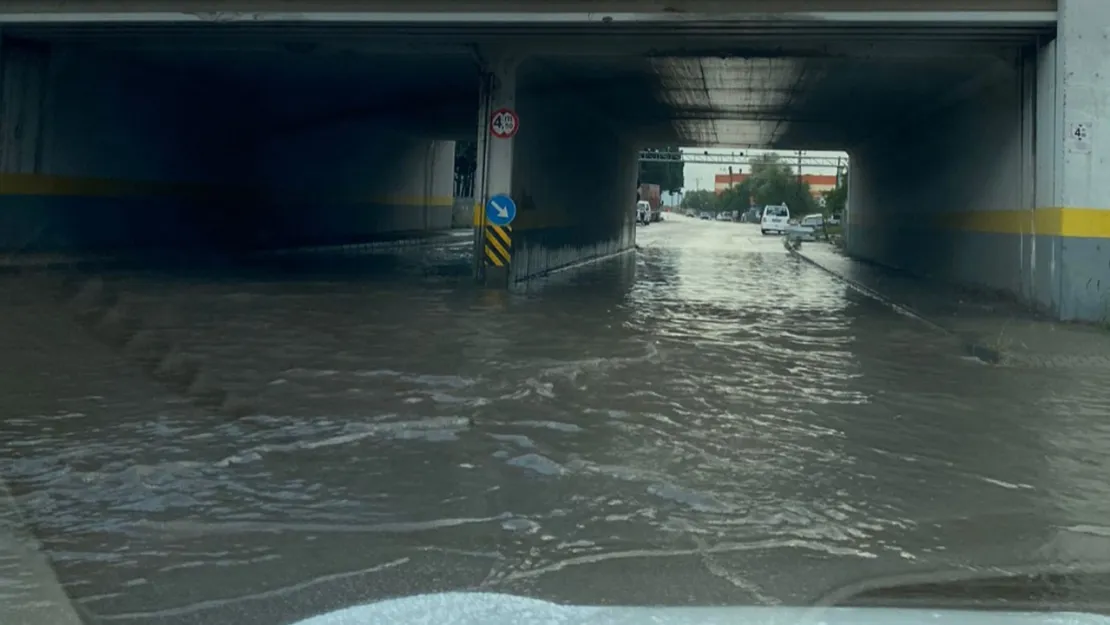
(503, 124)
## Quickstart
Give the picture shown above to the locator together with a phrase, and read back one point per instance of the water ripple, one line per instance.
(710, 410)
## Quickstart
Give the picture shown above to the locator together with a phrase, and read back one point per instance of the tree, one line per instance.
(466, 164)
(738, 198)
(774, 182)
(668, 174)
(837, 198)
(699, 200)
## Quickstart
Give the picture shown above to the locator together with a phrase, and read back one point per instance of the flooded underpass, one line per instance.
(708, 420)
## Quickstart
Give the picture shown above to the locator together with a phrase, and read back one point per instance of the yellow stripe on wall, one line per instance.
(538, 219)
(73, 186)
(1084, 222)
(1091, 223)
(415, 201)
(38, 184)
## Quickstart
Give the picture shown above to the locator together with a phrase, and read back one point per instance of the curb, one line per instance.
(39, 597)
(972, 347)
(572, 266)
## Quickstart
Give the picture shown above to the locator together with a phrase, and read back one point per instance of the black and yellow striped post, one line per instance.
(498, 246)
(496, 240)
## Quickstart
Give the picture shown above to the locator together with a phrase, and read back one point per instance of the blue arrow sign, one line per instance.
(500, 210)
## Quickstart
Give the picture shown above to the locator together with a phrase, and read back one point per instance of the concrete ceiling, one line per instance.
(784, 84)
(814, 103)
(293, 83)
(249, 9)
(808, 35)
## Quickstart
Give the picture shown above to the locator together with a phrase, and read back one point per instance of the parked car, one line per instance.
(807, 228)
(813, 220)
(705, 215)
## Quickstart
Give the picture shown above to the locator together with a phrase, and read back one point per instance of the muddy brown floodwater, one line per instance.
(708, 421)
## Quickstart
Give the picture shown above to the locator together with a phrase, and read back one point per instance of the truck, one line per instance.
(651, 194)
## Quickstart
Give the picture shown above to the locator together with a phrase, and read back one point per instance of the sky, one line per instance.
(700, 175)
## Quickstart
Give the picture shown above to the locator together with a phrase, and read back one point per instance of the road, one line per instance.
(709, 421)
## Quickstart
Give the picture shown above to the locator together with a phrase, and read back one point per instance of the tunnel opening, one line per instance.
(290, 134)
(944, 158)
(937, 132)
(116, 145)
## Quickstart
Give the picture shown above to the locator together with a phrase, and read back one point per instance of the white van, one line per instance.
(775, 219)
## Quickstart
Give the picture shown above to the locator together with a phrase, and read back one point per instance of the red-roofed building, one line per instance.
(818, 183)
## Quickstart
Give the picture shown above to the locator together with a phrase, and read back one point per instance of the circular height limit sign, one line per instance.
(504, 123)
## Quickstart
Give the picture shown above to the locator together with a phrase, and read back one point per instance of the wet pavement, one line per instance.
(709, 420)
(994, 325)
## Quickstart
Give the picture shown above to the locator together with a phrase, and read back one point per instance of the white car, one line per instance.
(815, 220)
(774, 219)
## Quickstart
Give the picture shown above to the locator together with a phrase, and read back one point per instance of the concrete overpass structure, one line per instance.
(736, 158)
(265, 122)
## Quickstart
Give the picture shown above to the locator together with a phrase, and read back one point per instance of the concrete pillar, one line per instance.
(855, 190)
(1043, 251)
(1079, 123)
(574, 180)
(494, 171)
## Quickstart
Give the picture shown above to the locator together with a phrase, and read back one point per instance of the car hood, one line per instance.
(479, 608)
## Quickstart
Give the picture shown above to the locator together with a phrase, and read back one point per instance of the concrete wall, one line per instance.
(1041, 254)
(1015, 199)
(102, 152)
(98, 152)
(951, 196)
(574, 180)
(1080, 186)
(352, 180)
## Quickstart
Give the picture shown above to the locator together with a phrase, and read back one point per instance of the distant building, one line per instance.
(725, 181)
(818, 183)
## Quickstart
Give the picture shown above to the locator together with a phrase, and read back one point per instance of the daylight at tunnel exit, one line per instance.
(336, 312)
